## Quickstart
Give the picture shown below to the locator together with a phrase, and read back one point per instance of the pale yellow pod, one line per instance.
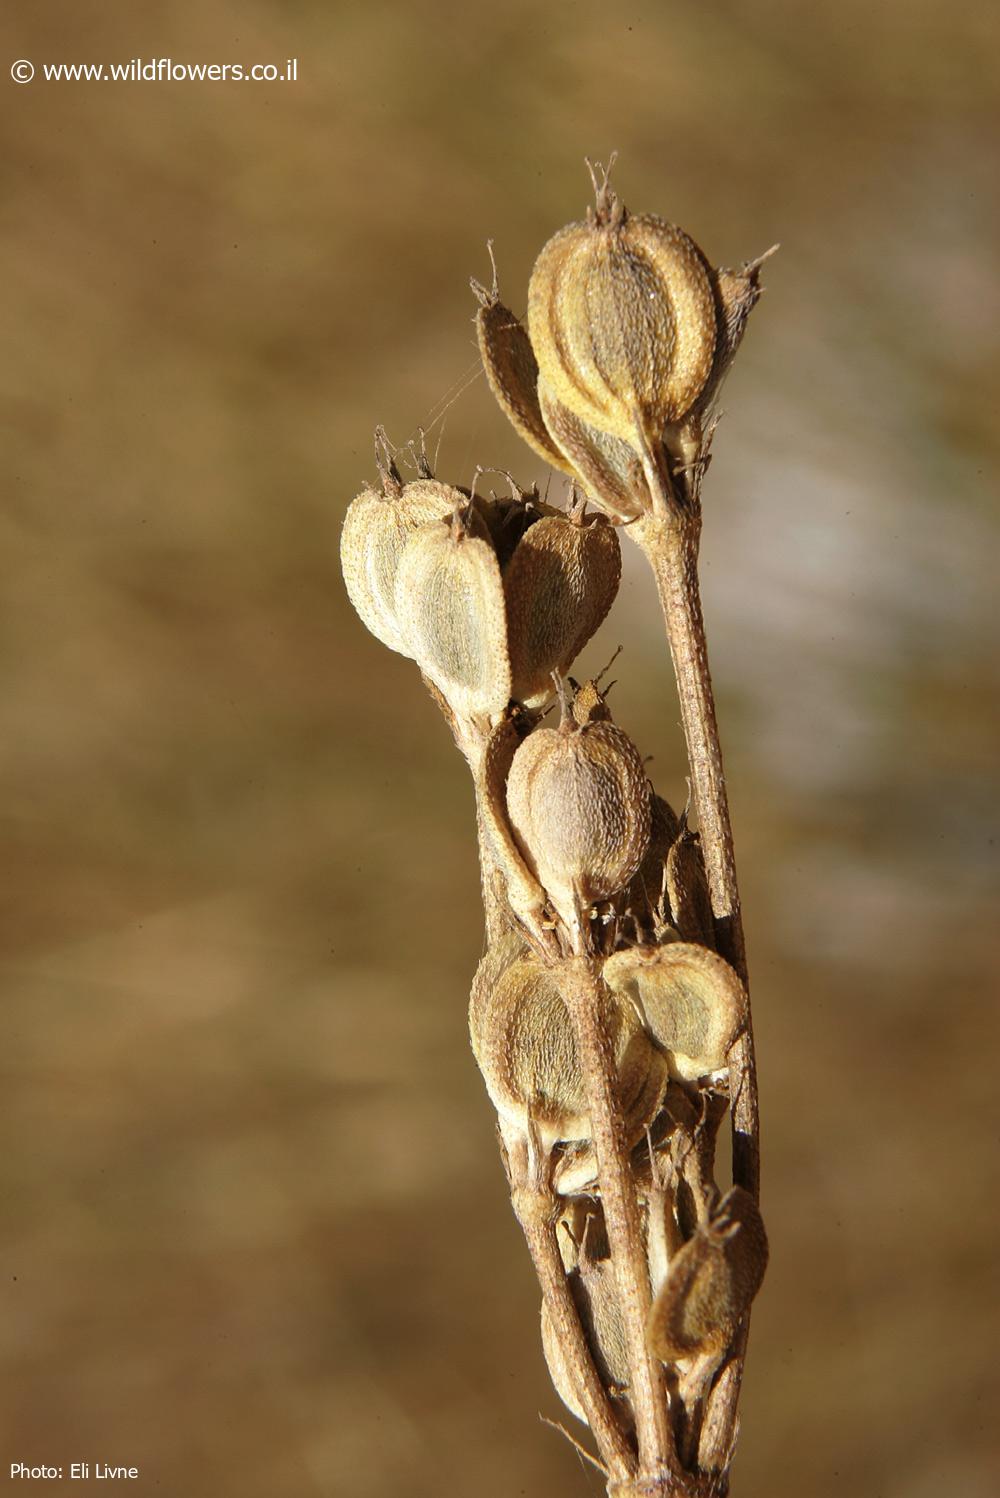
(622, 321)
(450, 606)
(711, 1282)
(525, 1045)
(376, 528)
(559, 585)
(578, 802)
(692, 1001)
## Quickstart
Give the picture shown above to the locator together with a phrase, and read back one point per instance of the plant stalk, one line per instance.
(670, 543)
(581, 990)
(536, 1210)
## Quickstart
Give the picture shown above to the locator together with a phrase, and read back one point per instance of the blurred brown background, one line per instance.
(255, 1235)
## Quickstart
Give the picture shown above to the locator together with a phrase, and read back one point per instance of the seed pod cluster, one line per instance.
(630, 333)
(601, 1016)
(488, 598)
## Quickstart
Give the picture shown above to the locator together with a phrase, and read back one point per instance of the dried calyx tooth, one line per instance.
(692, 1001)
(593, 1288)
(711, 1282)
(524, 1043)
(559, 585)
(578, 802)
(450, 606)
(377, 527)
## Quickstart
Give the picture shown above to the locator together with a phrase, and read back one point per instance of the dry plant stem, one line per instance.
(581, 991)
(670, 542)
(536, 1209)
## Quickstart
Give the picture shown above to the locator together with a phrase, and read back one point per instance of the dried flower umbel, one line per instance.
(609, 1015)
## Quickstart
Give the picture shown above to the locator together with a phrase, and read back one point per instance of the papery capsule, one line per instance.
(450, 605)
(376, 528)
(579, 805)
(622, 321)
(559, 585)
(711, 1282)
(692, 1001)
(525, 1045)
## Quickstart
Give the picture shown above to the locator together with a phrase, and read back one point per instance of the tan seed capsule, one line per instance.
(595, 1293)
(559, 585)
(524, 1043)
(692, 1001)
(687, 891)
(646, 892)
(450, 606)
(376, 529)
(711, 1282)
(622, 321)
(512, 372)
(579, 805)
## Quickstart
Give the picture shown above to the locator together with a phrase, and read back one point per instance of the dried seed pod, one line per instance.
(376, 529)
(630, 334)
(575, 1169)
(579, 805)
(622, 321)
(450, 606)
(559, 585)
(687, 890)
(594, 1290)
(524, 894)
(512, 371)
(610, 469)
(711, 1282)
(692, 1000)
(647, 888)
(525, 1045)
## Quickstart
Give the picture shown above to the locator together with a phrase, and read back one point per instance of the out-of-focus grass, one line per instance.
(255, 1237)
